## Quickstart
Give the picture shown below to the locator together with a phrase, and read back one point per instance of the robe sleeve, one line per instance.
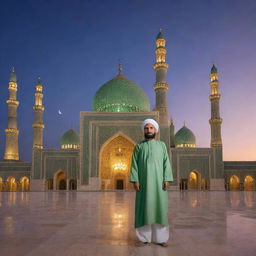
(134, 177)
(167, 166)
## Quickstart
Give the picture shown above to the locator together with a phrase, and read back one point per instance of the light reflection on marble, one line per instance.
(101, 223)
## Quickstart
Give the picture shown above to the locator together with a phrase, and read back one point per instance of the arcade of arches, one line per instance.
(114, 173)
(237, 184)
(12, 185)
(195, 182)
(115, 161)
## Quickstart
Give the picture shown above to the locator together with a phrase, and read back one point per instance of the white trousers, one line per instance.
(155, 233)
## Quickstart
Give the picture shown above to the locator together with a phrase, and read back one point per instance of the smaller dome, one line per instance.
(185, 138)
(70, 139)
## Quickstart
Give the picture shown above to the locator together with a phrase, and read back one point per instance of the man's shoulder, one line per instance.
(161, 142)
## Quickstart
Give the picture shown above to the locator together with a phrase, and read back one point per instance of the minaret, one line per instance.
(161, 86)
(38, 125)
(12, 132)
(215, 120)
(216, 181)
(172, 128)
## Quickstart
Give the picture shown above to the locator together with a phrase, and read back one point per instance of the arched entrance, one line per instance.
(61, 180)
(24, 184)
(72, 185)
(11, 184)
(115, 161)
(183, 184)
(248, 183)
(204, 184)
(194, 180)
(234, 183)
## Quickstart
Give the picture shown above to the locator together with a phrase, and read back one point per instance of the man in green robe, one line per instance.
(151, 173)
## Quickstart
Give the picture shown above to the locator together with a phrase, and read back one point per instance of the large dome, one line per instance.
(120, 95)
(184, 138)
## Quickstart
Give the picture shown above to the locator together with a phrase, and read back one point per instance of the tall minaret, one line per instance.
(161, 86)
(215, 120)
(12, 132)
(217, 181)
(38, 125)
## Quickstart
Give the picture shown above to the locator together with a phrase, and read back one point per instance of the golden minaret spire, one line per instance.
(38, 125)
(161, 86)
(12, 132)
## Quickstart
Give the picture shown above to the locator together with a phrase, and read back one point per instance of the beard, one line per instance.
(149, 136)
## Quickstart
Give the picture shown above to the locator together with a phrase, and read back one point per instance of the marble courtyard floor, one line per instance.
(101, 223)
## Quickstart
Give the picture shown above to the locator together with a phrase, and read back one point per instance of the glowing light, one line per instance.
(184, 145)
(120, 166)
(69, 146)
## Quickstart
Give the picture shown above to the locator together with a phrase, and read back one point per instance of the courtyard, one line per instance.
(101, 223)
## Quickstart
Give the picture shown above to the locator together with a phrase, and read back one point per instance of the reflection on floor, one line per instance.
(101, 223)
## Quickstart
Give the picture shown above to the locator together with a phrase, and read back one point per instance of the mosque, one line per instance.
(99, 157)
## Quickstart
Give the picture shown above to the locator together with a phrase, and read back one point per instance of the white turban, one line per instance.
(150, 121)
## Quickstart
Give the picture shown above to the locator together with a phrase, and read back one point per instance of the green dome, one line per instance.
(69, 139)
(185, 138)
(120, 95)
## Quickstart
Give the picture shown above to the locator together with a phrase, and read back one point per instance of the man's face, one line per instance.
(149, 131)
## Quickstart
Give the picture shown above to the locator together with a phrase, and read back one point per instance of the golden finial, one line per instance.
(120, 67)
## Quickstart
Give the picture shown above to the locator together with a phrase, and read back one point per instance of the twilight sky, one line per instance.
(74, 46)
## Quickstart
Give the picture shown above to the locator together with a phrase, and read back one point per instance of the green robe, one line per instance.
(150, 167)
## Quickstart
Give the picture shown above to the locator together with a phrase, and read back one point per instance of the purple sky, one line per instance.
(75, 46)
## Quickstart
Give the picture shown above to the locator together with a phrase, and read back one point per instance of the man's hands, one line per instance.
(166, 185)
(136, 186)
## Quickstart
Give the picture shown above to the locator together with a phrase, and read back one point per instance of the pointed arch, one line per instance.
(115, 136)
(11, 184)
(73, 184)
(249, 183)
(234, 182)
(24, 183)
(60, 180)
(194, 180)
(114, 162)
